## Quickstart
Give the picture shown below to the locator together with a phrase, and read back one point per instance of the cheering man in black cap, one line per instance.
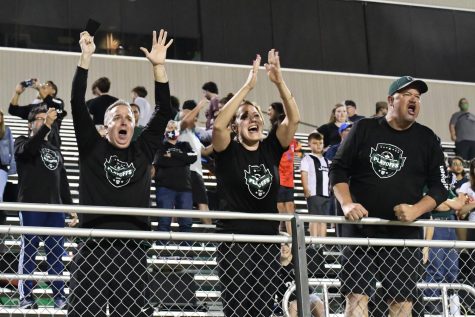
(380, 171)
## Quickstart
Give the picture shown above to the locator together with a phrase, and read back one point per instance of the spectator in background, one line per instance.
(7, 156)
(98, 105)
(457, 169)
(462, 131)
(351, 110)
(138, 128)
(47, 98)
(145, 110)
(381, 109)
(138, 91)
(188, 118)
(287, 278)
(173, 178)
(113, 272)
(443, 263)
(329, 130)
(40, 162)
(210, 92)
(246, 173)
(343, 130)
(314, 170)
(285, 197)
(138, 95)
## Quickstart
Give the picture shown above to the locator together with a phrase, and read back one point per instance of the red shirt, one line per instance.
(286, 166)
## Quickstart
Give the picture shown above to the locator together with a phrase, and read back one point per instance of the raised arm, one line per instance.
(152, 135)
(188, 120)
(221, 135)
(86, 133)
(287, 128)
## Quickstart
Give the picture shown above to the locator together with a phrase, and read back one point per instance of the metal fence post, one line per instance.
(299, 258)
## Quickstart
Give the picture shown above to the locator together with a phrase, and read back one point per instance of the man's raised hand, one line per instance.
(86, 42)
(158, 53)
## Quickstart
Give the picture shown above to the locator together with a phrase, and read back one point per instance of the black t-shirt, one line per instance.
(174, 172)
(116, 177)
(98, 106)
(248, 181)
(386, 167)
(41, 174)
(330, 134)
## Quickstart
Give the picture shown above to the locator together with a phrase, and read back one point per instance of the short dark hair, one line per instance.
(140, 91)
(103, 84)
(211, 87)
(381, 105)
(35, 111)
(350, 103)
(461, 101)
(135, 105)
(315, 136)
(175, 103)
(50, 82)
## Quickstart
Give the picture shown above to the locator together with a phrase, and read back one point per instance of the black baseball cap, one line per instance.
(406, 81)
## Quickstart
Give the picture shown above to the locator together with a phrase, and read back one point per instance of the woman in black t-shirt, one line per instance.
(247, 176)
(329, 130)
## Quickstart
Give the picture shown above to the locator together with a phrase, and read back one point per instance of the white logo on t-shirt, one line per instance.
(50, 158)
(258, 180)
(118, 173)
(386, 160)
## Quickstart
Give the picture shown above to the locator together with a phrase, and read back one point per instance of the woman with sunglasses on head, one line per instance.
(247, 176)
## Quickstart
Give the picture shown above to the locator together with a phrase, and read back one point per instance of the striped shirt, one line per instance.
(317, 169)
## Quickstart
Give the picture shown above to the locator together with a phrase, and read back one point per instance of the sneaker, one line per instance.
(60, 303)
(28, 303)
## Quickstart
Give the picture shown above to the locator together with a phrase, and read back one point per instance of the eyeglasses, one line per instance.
(457, 164)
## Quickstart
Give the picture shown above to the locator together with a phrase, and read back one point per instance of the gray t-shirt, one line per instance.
(464, 123)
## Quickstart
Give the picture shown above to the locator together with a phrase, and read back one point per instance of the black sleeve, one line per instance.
(341, 163)
(86, 133)
(29, 147)
(272, 144)
(20, 111)
(187, 156)
(64, 187)
(152, 135)
(436, 178)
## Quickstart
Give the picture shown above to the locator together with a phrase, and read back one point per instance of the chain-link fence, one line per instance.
(86, 272)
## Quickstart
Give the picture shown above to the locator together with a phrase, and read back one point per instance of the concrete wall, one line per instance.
(316, 92)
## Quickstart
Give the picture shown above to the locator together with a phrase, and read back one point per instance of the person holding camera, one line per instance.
(40, 162)
(47, 98)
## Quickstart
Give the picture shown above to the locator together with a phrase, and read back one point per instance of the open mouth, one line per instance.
(122, 134)
(253, 129)
(411, 110)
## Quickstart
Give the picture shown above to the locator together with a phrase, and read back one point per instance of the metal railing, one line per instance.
(192, 258)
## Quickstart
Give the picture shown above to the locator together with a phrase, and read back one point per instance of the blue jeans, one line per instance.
(54, 249)
(172, 199)
(443, 265)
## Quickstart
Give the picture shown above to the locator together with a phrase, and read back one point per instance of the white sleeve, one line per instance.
(464, 188)
(304, 164)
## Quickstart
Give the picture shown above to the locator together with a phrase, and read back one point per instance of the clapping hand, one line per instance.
(273, 67)
(252, 78)
(158, 53)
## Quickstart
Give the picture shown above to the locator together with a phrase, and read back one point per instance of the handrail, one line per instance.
(155, 212)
